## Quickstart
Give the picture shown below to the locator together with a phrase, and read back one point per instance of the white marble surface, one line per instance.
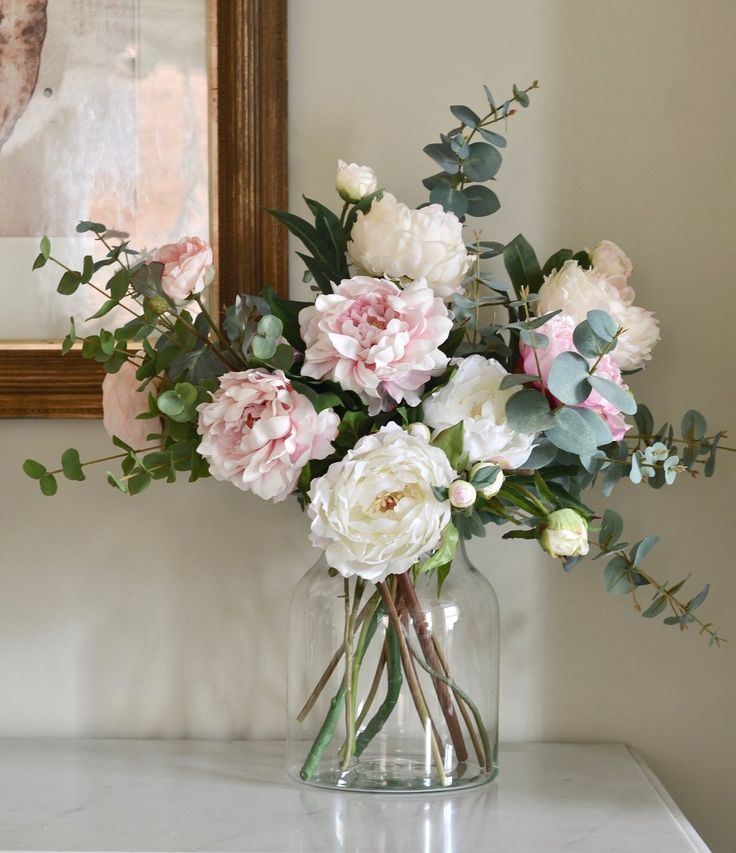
(123, 795)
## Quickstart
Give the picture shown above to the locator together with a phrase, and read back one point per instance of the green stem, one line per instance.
(324, 736)
(393, 689)
(349, 698)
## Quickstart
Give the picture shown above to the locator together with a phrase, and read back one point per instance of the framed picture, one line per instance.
(159, 118)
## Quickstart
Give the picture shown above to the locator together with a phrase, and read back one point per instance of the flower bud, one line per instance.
(462, 494)
(158, 304)
(419, 430)
(564, 534)
(354, 182)
(492, 488)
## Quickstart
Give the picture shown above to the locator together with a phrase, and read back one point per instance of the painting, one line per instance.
(109, 112)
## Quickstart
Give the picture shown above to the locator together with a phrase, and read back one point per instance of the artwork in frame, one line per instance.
(161, 118)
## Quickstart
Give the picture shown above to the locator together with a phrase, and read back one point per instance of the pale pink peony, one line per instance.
(122, 401)
(376, 339)
(185, 266)
(614, 264)
(559, 330)
(258, 433)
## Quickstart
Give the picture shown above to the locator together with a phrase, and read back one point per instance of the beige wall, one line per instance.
(165, 615)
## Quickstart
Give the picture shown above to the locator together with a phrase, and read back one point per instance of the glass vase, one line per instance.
(393, 686)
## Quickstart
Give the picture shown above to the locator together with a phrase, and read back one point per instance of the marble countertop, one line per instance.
(126, 795)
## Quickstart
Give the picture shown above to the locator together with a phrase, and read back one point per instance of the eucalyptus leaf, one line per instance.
(617, 575)
(71, 465)
(452, 200)
(622, 399)
(602, 324)
(481, 200)
(528, 411)
(483, 162)
(568, 378)
(641, 549)
(572, 433)
(443, 155)
(465, 115)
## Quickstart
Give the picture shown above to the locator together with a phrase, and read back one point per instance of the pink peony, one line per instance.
(121, 402)
(559, 330)
(185, 265)
(258, 432)
(376, 339)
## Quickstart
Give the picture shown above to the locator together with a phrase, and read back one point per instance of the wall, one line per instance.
(165, 615)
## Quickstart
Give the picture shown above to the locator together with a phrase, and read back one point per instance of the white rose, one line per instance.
(394, 241)
(374, 512)
(576, 291)
(565, 534)
(354, 182)
(474, 396)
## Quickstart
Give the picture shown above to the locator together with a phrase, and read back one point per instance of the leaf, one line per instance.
(521, 96)
(699, 598)
(656, 607)
(71, 465)
(439, 178)
(445, 551)
(601, 429)
(34, 469)
(556, 261)
(303, 230)
(452, 200)
(86, 225)
(617, 576)
(69, 283)
(481, 200)
(494, 138)
(612, 526)
(287, 310)
(572, 433)
(283, 357)
(622, 399)
(263, 349)
(568, 378)
(641, 549)
(105, 308)
(443, 155)
(442, 573)
(451, 441)
(482, 162)
(644, 420)
(118, 284)
(602, 324)
(197, 365)
(522, 264)
(542, 454)
(465, 115)
(512, 379)
(587, 342)
(693, 426)
(528, 411)
(48, 485)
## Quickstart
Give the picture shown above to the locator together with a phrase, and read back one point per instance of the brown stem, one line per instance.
(331, 666)
(413, 681)
(483, 759)
(424, 635)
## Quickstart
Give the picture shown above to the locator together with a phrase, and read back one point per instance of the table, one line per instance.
(137, 795)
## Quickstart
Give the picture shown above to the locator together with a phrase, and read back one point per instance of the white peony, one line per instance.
(374, 512)
(474, 396)
(354, 182)
(394, 241)
(565, 534)
(576, 291)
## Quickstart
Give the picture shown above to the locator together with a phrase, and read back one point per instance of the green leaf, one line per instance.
(612, 526)
(556, 261)
(512, 379)
(656, 607)
(572, 433)
(522, 264)
(641, 549)
(48, 485)
(644, 420)
(69, 283)
(71, 465)
(105, 308)
(445, 551)
(44, 247)
(494, 138)
(263, 349)
(465, 115)
(542, 454)
(528, 411)
(602, 324)
(617, 576)
(444, 157)
(693, 425)
(521, 96)
(568, 378)
(699, 598)
(442, 573)
(287, 310)
(86, 225)
(34, 469)
(270, 327)
(453, 201)
(39, 262)
(482, 162)
(439, 178)
(88, 268)
(481, 200)
(587, 342)
(118, 284)
(601, 429)
(451, 441)
(623, 400)
(283, 357)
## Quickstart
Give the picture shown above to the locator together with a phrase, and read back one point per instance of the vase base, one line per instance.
(396, 775)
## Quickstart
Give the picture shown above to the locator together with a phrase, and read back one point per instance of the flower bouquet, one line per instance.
(420, 397)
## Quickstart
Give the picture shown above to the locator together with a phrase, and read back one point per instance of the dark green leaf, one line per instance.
(71, 465)
(656, 607)
(612, 526)
(481, 200)
(69, 283)
(617, 576)
(85, 226)
(522, 264)
(482, 163)
(48, 485)
(440, 178)
(693, 426)
(453, 201)
(287, 310)
(118, 284)
(443, 155)
(34, 469)
(641, 549)
(556, 261)
(465, 115)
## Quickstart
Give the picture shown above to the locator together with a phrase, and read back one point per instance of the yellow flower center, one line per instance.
(387, 501)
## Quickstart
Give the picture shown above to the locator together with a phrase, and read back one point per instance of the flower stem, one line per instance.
(394, 681)
(349, 698)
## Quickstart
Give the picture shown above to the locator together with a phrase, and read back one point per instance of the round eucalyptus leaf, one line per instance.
(602, 324)
(263, 348)
(483, 162)
(170, 404)
(572, 433)
(454, 201)
(270, 327)
(568, 378)
(481, 200)
(528, 411)
(623, 400)
(587, 342)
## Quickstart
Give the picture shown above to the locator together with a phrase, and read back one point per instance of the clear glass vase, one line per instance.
(393, 687)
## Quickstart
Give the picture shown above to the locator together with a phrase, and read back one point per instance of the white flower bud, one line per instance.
(494, 487)
(462, 494)
(419, 430)
(565, 534)
(355, 182)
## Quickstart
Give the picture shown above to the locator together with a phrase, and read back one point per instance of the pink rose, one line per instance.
(559, 331)
(185, 265)
(122, 401)
(258, 432)
(376, 339)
